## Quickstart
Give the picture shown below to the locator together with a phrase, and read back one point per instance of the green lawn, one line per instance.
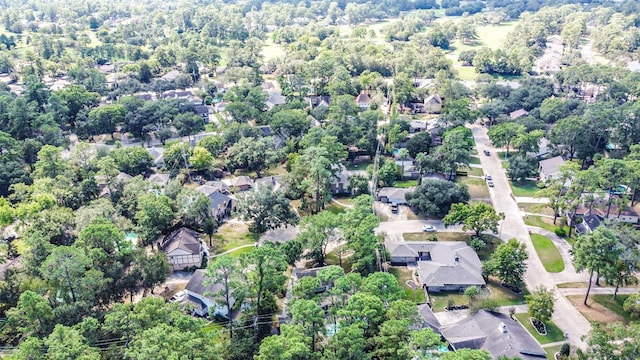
(232, 235)
(502, 296)
(551, 351)
(554, 334)
(360, 166)
(472, 171)
(613, 305)
(548, 253)
(543, 222)
(406, 184)
(403, 274)
(478, 188)
(272, 50)
(244, 250)
(572, 285)
(526, 188)
(474, 160)
(534, 208)
(335, 208)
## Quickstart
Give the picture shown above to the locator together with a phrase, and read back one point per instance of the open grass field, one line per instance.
(478, 188)
(548, 253)
(554, 334)
(525, 188)
(272, 50)
(545, 223)
(473, 171)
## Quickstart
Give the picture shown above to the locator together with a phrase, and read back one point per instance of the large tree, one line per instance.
(226, 271)
(596, 252)
(434, 197)
(505, 134)
(508, 262)
(318, 231)
(478, 217)
(540, 303)
(253, 154)
(267, 208)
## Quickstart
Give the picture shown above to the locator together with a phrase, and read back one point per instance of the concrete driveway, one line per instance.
(393, 230)
(567, 317)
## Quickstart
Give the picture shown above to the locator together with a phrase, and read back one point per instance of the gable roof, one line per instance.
(161, 179)
(518, 113)
(496, 333)
(550, 166)
(219, 200)
(433, 99)
(363, 98)
(392, 192)
(427, 318)
(238, 181)
(197, 284)
(183, 239)
(592, 221)
(452, 262)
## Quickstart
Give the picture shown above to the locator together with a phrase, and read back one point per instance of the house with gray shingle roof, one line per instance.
(201, 295)
(393, 195)
(442, 266)
(496, 333)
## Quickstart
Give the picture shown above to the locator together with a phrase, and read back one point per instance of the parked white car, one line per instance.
(428, 228)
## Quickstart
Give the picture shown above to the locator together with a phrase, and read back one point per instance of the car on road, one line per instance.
(178, 297)
(488, 177)
(428, 228)
(486, 152)
(490, 183)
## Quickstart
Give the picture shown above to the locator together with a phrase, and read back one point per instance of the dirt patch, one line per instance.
(594, 312)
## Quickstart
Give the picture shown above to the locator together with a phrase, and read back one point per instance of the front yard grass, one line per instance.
(535, 208)
(526, 188)
(406, 184)
(475, 171)
(572, 285)
(403, 274)
(548, 253)
(543, 222)
(474, 160)
(478, 188)
(554, 334)
(502, 296)
(332, 258)
(601, 309)
(231, 235)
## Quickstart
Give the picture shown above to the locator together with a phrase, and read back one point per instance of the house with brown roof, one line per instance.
(239, 183)
(363, 101)
(183, 248)
(433, 104)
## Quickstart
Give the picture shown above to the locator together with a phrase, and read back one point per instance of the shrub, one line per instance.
(560, 232)
(565, 350)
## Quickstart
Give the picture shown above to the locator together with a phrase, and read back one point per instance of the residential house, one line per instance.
(589, 223)
(363, 101)
(550, 168)
(160, 179)
(183, 248)
(340, 183)
(275, 181)
(210, 187)
(392, 195)
(420, 83)
(157, 154)
(239, 183)
(265, 130)
(221, 106)
(318, 100)
(433, 104)
(417, 126)
(201, 296)
(633, 66)
(204, 111)
(171, 75)
(426, 318)
(494, 332)
(147, 96)
(221, 204)
(442, 266)
(275, 99)
(518, 114)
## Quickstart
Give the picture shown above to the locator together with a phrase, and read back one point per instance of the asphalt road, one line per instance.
(567, 317)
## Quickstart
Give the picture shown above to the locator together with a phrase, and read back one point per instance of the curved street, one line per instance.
(566, 316)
